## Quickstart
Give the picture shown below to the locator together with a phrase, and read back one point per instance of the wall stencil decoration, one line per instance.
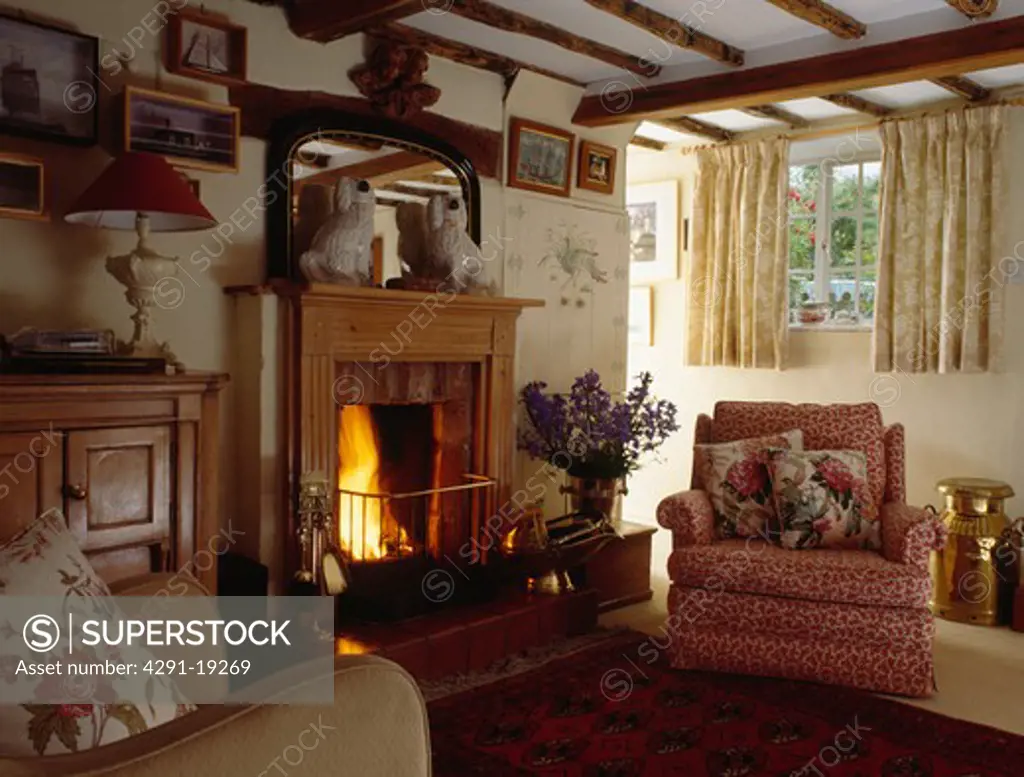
(562, 340)
(572, 259)
(653, 210)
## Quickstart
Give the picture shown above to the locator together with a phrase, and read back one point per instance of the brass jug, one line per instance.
(973, 573)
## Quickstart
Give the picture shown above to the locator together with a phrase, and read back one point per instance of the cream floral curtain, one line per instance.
(939, 304)
(737, 277)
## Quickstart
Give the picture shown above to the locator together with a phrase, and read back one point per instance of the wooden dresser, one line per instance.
(131, 460)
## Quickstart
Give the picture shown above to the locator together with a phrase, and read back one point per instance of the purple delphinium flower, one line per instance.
(589, 433)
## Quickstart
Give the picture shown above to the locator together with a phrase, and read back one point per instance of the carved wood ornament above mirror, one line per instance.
(393, 80)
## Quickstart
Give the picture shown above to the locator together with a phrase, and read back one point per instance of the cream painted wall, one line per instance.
(956, 424)
(52, 274)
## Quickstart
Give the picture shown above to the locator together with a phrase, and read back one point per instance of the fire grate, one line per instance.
(384, 527)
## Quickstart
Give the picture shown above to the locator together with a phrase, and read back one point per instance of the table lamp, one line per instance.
(142, 192)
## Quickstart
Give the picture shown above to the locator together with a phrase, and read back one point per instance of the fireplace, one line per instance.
(408, 500)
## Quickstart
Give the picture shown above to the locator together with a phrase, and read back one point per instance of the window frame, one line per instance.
(824, 216)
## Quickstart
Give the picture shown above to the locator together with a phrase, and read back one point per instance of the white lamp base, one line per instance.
(149, 280)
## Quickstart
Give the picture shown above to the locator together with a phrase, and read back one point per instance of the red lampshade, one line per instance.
(143, 183)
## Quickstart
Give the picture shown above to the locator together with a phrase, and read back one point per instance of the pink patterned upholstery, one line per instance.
(747, 606)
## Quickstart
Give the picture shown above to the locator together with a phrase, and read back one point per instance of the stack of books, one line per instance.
(68, 351)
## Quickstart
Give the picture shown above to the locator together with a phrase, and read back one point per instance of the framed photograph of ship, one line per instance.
(540, 158)
(189, 133)
(22, 187)
(206, 46)
(48, 82)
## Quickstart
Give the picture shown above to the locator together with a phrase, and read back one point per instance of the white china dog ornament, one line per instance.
(341, 251)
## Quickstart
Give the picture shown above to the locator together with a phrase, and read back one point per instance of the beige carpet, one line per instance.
(980, 671)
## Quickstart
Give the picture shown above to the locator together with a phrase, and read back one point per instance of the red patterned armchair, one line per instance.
(847, 617)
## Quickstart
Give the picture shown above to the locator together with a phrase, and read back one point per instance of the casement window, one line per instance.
(833, 241)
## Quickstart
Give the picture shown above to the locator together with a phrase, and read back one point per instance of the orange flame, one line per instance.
(367, 529)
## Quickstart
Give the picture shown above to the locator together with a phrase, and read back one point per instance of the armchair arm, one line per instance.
(690, 517)
(909, 534)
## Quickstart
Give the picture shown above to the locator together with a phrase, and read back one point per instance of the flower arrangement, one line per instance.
(591, 435)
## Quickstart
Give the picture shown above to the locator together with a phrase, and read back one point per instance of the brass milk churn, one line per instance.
(974, 571)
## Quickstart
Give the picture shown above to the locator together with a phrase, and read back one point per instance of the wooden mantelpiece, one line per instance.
(328, 326)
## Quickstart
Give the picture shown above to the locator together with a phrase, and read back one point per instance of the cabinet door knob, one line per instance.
(75, 491)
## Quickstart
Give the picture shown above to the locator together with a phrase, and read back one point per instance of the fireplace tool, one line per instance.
(322, 565)
(548, 549)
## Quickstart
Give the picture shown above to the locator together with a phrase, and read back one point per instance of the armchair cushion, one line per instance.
(825, 427)
(690, 517)
(910, 534)
(735, 476)
(839, 576)
(822, 500)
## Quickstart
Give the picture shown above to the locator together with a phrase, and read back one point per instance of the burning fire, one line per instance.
(368, 530)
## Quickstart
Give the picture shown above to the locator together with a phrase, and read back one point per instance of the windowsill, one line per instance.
(862, 328)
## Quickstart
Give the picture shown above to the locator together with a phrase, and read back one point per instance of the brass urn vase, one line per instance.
(975, 571)
(596, 496)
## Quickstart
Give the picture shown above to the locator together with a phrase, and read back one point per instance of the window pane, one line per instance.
(801, 244)
(803, 189)
(842, 292)
(872, 173)
(868, 285)
(843, 247)
(845, 183)
(869, 237)
(801, 289)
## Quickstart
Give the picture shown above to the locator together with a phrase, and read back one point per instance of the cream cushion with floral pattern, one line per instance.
(45, 560)
(822, 500)
(735, 477)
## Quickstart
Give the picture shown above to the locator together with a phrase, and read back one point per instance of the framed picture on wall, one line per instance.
(189, 133)
(653, 210)
(596, 170)
(50, 82)
(206, 46)
(22, 187)
(540, 157)
(641, 315)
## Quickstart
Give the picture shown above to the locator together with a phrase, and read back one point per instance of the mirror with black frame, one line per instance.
(387, 206)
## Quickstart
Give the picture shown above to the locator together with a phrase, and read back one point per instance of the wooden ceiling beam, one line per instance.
(859, 104)
(649, 143)
(775, 113)
(964, 50)
(500, 18)
(697, 127)
(409, 188)
(963, 87)
(462, 53)
(379, 171)
(975, 9)
(828, 17)
(327, 20)
(670, 30)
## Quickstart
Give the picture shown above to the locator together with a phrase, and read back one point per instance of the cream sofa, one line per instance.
(377, 727)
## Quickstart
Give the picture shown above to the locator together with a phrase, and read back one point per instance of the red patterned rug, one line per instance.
(618, 710)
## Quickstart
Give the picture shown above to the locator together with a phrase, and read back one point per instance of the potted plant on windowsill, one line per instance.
(596, 439)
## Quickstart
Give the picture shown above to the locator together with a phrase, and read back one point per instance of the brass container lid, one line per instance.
(974, 488)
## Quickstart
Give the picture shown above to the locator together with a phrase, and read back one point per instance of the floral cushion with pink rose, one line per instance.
(45, 560)
(822, 500)
(736, 478)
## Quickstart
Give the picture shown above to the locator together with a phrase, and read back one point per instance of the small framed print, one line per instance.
(653, 210)
(207, 46)
(596, 170)
(189, 133)
(540, 157)
(641, 315)
(22, 187)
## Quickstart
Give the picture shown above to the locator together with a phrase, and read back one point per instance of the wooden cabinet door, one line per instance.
(31, 470)
(117, 490)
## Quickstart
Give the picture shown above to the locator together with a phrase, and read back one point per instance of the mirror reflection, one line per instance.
(368, 213)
